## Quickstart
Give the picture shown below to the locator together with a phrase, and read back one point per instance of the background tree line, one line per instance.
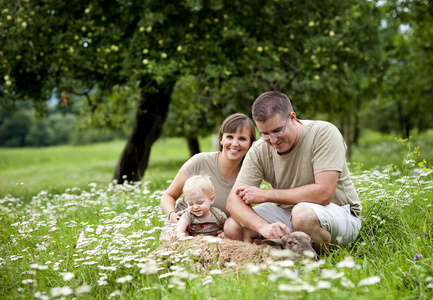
(59, 126)
(180, 67)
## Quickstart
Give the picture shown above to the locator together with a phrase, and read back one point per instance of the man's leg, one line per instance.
(250, 235)
(305, 219)
(233, 230)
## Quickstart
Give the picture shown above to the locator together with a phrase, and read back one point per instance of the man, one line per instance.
(304, 162)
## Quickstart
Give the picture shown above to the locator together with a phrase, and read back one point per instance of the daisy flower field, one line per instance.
(99, 242)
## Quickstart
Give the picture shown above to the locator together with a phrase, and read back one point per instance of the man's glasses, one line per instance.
(267, 137)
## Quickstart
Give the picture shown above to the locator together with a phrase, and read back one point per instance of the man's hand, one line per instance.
(251, 194)
(274, 230)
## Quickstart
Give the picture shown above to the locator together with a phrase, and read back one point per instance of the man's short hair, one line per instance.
(268, 104)
(198, 184)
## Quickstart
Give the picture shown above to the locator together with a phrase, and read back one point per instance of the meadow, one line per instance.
(68, 232)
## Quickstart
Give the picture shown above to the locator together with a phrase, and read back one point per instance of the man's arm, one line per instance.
(245, 216)
(320, 192)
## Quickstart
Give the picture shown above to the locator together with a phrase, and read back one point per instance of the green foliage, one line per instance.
(13, 130)
(63, 125)
(58, 127)
(219, 54)
(185, 117)
(93, 135)
(404, 98)
(346, 60)
(40, 134)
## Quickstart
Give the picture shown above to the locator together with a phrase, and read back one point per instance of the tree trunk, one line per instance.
(193, 145)
(347, 134)
(356, 130)
(151, 113)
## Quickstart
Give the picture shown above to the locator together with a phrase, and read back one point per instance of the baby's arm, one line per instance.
(182, 224)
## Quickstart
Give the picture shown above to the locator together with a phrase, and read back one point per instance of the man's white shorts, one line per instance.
(343, 226)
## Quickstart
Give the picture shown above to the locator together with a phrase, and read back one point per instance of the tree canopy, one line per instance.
(407, 60)
(208, 58)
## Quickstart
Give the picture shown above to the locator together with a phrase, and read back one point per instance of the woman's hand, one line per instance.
(175, 216)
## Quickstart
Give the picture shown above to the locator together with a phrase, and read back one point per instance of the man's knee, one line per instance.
(233, 230)
(303, 217)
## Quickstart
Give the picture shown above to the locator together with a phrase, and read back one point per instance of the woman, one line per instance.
(236, 135)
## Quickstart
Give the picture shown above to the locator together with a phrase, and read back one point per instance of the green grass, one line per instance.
(74, 223)
(24, 172)
(30, 170)
(376, 149)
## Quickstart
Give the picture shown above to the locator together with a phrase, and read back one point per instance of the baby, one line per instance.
(198, 192)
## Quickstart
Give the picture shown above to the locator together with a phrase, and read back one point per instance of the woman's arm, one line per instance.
(168, 199)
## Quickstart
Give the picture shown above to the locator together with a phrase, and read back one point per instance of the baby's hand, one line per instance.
(219, 231)
(222, 235)
(190, 228)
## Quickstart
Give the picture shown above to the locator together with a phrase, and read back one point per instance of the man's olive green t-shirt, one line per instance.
(320, 148)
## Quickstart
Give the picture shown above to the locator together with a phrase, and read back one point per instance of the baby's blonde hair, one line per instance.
(198, 184)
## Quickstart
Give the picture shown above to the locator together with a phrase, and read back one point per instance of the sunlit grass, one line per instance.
(26, 171)
(30, 170)
(376, 149)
